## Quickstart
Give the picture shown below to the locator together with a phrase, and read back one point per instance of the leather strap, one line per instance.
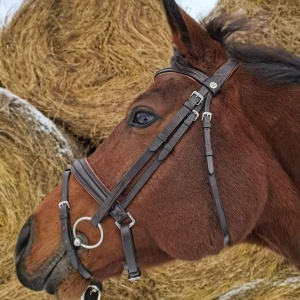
(211, 172)
(134, 272)
(165, 141)
(191, 72)
(88, 179)
(142, 161)
(168, 147)
(215, 82)
(67, 236)
(218, 78)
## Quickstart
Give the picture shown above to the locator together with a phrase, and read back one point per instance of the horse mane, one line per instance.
(276, 64)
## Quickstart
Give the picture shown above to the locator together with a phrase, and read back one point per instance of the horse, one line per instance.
(155, 181)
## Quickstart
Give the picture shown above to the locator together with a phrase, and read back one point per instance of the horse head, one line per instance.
(159, 184)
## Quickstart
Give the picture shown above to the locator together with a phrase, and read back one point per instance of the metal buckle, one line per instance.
(198, 95)
(196, 113)
(134, 278)
(206, 113)
(60, 204)
(93, 289)
(131, 223)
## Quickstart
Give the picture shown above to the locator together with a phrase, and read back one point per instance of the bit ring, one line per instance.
(78, 242)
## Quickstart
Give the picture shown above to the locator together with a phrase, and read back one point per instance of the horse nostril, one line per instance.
(23, 241)
(23, 246)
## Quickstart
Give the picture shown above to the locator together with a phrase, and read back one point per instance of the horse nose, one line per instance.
(23, 247)
(23, 242)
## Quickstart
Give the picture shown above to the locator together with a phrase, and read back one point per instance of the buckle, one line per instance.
(198, 95)
(60, 204)
(208, 114)
(196, 113)
(134, 277)
(131, 223)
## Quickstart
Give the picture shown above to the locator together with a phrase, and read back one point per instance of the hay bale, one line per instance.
(274, 21)
(238, 273)
(70, 66)
(33, 155)
(82, 62)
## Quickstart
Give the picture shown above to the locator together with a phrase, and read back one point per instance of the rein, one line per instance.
(162, 145)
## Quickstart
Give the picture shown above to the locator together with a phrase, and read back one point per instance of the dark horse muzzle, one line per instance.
(160, 148)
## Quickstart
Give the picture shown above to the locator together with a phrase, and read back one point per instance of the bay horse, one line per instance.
(189, 198)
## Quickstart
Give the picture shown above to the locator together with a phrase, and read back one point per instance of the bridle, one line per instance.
(159, 149)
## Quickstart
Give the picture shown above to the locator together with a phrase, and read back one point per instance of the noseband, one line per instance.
(159, 148)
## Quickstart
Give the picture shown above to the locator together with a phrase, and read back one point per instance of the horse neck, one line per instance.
(274, 109)
(274, 113)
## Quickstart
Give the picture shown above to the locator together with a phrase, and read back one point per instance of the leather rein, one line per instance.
(162, 145)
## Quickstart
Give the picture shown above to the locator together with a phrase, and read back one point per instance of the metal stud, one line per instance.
(213, 85)
(77, 242)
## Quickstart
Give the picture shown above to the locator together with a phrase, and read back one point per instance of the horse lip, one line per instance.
(51, 284)
(53, 278)
(49, 279)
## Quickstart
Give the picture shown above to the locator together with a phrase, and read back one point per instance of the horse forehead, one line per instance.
(166, 88)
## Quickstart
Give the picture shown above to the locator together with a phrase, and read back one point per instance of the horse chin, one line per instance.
(47, 277)
(74, 285)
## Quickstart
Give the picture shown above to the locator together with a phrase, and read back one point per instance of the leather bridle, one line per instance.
(159, 149)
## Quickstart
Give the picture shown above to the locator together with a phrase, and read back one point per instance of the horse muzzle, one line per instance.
(46, 277)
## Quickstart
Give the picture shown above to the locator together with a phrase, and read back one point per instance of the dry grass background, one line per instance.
(276, 22)
(81, 62)
(270, 278)
(33, 154)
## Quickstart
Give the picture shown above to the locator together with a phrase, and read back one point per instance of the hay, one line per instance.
(33, 154)
(81, 69)
(274, 21)
(247, 271)
(82, 62)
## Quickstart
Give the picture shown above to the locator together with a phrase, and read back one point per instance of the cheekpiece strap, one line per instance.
(67, 236)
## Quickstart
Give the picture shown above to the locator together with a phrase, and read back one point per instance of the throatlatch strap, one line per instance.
(211, 170)
(214, 84)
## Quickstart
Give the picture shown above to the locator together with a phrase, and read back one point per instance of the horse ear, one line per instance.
(189, 37)
(179, 30)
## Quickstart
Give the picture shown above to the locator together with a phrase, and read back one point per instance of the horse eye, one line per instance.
(143, 118)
